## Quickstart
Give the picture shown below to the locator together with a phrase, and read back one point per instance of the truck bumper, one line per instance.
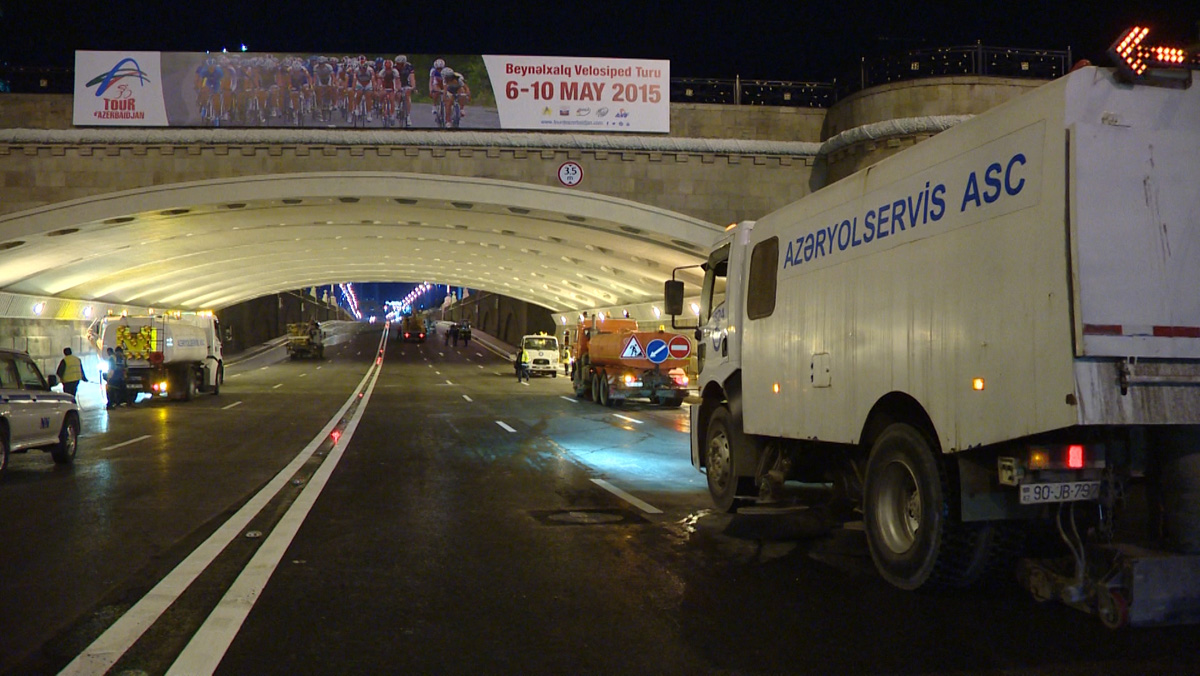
(1126, 585)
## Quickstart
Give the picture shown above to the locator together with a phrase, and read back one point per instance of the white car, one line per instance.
(31, 415)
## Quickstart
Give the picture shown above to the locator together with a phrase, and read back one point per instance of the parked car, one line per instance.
(31, 414)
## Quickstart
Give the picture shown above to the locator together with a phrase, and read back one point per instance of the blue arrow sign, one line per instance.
(656, 351)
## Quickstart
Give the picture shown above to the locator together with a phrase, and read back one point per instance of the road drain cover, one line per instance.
(586, 517)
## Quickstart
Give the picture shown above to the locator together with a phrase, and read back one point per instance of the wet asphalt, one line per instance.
(471, 524)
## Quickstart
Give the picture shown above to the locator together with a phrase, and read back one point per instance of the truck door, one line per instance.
(711, 348)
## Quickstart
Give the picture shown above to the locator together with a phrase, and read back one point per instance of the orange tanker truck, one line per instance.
(613, 361)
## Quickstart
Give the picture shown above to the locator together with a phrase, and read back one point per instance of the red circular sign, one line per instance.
(679, 347)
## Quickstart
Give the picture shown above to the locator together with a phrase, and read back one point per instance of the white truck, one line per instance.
(543, 354)
(176, 355)
(995, 330)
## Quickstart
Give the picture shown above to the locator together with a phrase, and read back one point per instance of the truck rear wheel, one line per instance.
(603, 395)
(720, 459)
(913, 528)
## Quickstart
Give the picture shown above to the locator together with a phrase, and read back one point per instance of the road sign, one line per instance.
(679, 347)
(570, 173)
(633, 349)
(656, 350)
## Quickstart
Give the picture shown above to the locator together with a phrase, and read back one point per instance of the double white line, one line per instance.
(208, 646)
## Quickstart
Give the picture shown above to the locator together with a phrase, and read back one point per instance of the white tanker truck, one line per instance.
(175, 355)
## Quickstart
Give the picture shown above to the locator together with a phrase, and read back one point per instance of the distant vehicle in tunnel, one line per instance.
(172, 354)
(305, 339)
(614, 362)
(31, 415)
(412, 330)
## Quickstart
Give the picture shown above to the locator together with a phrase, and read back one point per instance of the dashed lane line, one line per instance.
(573, 400)
(467, 398)
(625, 417)
(276, 386)
(236, 403)
(502, 424)
(636, 502)
(126, 443)
(449, 383)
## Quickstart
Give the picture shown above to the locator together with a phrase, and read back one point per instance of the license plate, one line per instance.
(1060, 492)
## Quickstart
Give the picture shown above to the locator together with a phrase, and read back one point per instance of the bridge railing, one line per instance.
(939, 62)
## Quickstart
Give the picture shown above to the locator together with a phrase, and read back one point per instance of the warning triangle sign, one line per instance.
(633, 349)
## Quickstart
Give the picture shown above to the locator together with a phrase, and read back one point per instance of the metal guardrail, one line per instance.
(940, 62)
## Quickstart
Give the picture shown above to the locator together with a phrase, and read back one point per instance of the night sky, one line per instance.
(807, 41)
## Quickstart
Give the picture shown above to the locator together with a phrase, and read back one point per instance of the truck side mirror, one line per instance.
(673, 296)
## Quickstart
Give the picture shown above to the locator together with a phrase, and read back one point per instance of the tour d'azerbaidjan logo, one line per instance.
(119, 103)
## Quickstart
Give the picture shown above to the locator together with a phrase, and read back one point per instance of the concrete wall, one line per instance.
(688, 120)
(262, 319)
(505, 318)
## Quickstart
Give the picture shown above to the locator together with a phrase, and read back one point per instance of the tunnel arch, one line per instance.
(214, 243)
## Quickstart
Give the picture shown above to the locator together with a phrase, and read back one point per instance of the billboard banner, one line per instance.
(376, 91)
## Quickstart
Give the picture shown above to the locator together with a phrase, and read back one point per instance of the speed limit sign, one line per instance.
(570, 174)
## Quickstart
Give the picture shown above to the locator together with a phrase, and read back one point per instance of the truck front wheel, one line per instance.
(720, 459)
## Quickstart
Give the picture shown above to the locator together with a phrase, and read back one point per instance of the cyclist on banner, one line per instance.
(363, 78)
(208, 81)
(326, 85)
(408, 82)
(388, 82)
(455, 86)
(299, 89)
(435, 84)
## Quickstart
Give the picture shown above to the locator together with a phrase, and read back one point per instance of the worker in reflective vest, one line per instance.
(70, 372)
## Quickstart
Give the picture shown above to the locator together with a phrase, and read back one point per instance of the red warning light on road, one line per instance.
(679, 347)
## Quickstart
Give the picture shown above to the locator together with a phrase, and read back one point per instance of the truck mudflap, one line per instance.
(1122, 584)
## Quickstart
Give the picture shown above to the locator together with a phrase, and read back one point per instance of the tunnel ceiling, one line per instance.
(212, 244)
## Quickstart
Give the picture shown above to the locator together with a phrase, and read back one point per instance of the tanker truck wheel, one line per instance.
(602, 390)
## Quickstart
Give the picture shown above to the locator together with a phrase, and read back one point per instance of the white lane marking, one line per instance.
(104, 652)
(505, 426)
(478, 354)
(318, 368)
(441, 354)
(632, 420)
(525, 383)
(276, 386)
(264, 368)
(431, 366)
(236, 375)
(437, 373)
(126, 443)
(467, 398)
(236, 403)
(449, 383)
(573, 400)
(640, 504)
(207, 648)
(480, 365)
(303, 374)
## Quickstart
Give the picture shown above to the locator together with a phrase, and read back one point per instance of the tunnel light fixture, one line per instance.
(657, 312)
(39, 308)
(695, 309)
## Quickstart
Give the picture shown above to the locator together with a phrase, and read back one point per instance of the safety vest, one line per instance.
(524, 356)
(72, 369)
